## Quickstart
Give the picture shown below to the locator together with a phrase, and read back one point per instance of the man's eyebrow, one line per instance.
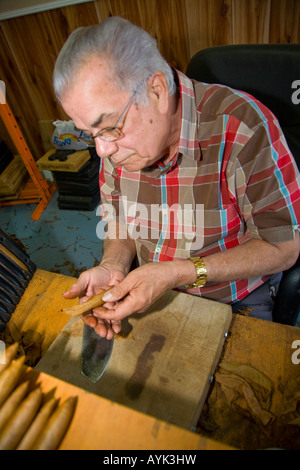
(101, 118)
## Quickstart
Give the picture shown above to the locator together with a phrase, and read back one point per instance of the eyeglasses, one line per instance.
(108, 134)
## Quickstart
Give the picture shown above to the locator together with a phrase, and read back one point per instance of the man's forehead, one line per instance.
(93, 101)
(102, 118)
(94, 74)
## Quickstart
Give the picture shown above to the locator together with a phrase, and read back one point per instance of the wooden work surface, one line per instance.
(41, 311)
(271, 418)
(161, 366)
(264, 346)
(101, 424)
(39, 315)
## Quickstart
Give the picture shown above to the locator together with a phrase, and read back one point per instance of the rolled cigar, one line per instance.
(8, 356)
(12, 402)
(10, 377)
(93, 302)
(20, 421)
(37, 425)
(53, 433)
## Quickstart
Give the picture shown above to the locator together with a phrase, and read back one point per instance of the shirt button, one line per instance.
(157, 250)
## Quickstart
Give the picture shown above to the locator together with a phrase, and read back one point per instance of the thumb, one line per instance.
(117, 292)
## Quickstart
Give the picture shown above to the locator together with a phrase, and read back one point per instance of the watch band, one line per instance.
(201, 273)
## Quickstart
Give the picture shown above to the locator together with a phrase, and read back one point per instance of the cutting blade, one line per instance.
(96, 352)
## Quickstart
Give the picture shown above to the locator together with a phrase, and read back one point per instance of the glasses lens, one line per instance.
(110, 134)
(87, 139)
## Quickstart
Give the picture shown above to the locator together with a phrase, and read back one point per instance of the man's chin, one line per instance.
(131, 167)
(132, 164)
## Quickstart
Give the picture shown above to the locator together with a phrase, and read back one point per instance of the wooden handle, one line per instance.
(93, 302)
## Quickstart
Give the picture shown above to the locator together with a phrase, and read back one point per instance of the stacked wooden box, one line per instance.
(76, 178)
(13, 173)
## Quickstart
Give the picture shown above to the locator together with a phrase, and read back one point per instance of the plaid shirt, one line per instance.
(232, 179)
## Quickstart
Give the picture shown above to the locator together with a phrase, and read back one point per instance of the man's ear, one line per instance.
(158, 91)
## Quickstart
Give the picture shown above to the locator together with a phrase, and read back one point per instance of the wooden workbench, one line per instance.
(151, 417)
(229, 418)
(273, 364)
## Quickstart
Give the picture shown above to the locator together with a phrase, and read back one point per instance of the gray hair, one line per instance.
(133, 53)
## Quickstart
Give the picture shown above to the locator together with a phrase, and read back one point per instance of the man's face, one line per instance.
(95, 102)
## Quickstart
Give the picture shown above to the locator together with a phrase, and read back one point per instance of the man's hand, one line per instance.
(90, 283)
(142, 287)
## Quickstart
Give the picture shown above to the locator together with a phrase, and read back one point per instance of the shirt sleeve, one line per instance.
(267, 185)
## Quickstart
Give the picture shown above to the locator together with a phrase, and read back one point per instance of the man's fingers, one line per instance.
(76, 290)
(104, 331)
(116, 327)
(72, 293)
(89, 320)
(122, 309)
(103, 327)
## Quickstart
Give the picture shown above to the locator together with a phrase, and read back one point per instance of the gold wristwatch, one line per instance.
(201, 273)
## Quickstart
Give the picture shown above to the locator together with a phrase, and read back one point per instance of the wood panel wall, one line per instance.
(30, 44)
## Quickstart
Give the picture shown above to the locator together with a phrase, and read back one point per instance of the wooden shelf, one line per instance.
(37, 190)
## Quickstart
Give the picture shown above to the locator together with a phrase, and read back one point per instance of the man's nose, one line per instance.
(105, 149)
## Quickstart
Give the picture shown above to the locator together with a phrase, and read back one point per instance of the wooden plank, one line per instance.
(272, 356)
(285, 24)
(31, 62)
(173, 32)
(100, 424)
(209, 24)
(250, 21)
(17, 96)
(163, 365)
(181, 27)
(40, 309)
(265, 348)
(12, 178)
(13, 9)
(44, 190)
(106, 424)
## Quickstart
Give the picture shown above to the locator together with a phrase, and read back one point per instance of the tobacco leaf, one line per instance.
(240, 395)
(262, 386)
(32, 345)
(291, 402)
(29, 341)
(233, 415)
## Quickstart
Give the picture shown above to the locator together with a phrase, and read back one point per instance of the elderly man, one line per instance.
(212, 159)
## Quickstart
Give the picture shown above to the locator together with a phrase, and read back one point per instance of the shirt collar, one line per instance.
(188, 141)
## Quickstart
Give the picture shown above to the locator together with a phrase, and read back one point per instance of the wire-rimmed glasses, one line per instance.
(108, 134)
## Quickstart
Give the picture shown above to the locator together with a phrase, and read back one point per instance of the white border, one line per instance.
(42, 6)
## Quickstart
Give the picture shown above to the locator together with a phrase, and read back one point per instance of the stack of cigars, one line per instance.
(28, 419)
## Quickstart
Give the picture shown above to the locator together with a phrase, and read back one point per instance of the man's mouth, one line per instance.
(120, 161)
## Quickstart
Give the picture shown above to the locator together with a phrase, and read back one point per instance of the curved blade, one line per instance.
(95, 355)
